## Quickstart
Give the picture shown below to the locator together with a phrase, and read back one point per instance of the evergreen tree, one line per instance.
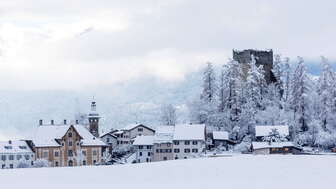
(299, 96)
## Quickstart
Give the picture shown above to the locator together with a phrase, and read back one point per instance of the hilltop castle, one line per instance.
(264, 58)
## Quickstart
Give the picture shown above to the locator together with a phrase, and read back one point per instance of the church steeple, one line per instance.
(94, 120)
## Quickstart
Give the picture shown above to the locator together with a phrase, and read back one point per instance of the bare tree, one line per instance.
(168, 114)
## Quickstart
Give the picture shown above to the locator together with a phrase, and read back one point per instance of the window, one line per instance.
(149, 147)
(108, 140)
(70, 154)
(140, 153)
(70, 134)
(161, 150)
(84, 162)
(94, 152)
(94, 161)
(168, 145)
(84, 153)
(45, 154)
(194, 142)
(8, 147)
(26, 157)
(148, 154)
(11, 166)
(3, 166)
(195, 150)
(56, 164)
(70, 163)
(186, 150)
(157, 151)
(23, 147)
(56, 154)
(176, 150)
(18, 157)
(176, 143)
(140, 147)
(3, 158)
(147, 160)
(186, 142)
(140, 129)
(70, 143)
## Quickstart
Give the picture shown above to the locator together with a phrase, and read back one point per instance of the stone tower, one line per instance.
(264, 58)
(94, 120)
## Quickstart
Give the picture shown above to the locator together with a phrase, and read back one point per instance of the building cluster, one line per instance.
(75, 144)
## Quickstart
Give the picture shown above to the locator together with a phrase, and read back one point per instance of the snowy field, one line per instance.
(237, 172)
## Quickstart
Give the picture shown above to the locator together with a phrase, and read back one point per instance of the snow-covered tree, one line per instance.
(299, 96)
(325, 91)
(209, 84)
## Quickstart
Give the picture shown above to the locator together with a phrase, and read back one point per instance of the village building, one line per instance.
(67, 145)
(262, 57)
(265, 148)
(189, 141)
(126, 135)
(163, 143)
(111, 140)
(273, 140)
(221, 140)
(12, 153)
(144, 148)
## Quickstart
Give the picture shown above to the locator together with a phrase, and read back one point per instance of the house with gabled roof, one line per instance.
(144, 148)
(14, 152)
(127, 134)
(67, 145)
(222, 139)
(189, 141)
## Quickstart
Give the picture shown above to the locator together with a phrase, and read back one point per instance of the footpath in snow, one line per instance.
(237, 172)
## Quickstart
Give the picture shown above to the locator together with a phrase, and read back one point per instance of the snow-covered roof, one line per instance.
(267, 129)
(164, 134)
(189, 132)
(132, 126)
(17, 146)
(261, 145)
(220, 135)
(144, 140)
(45, 136)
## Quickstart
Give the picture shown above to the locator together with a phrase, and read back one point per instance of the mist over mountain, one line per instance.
(136, 100)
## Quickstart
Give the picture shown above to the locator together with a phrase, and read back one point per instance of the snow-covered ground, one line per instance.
(236, 172)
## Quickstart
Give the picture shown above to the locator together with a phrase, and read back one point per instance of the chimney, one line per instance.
(41, 122)
(65, 122)
(77, 122)
(52, 122)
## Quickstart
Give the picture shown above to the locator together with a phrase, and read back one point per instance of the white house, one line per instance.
(14, 152)
(188, 141)
(144, 148)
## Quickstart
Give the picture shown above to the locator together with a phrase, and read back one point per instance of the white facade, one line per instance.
(144, 148)
(185, 149)
(12, 153)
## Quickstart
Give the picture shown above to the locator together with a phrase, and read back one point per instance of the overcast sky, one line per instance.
(66, 44)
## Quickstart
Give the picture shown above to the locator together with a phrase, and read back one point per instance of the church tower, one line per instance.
(94, 120)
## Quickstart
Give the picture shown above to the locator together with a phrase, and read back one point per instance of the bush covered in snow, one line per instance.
(41, 163)
(23, 164)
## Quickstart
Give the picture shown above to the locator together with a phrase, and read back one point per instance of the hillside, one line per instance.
(239, 172)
